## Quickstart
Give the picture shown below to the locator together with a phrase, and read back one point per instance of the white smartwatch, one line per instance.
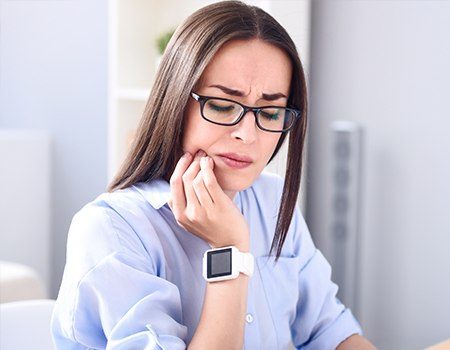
(226, 263)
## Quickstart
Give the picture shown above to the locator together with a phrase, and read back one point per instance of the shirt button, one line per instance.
(249, 318)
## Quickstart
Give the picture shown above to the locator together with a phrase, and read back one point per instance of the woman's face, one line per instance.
(242, 70)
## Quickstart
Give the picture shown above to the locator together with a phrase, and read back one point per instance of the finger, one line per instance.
(209, 178)
(177, 195)
(188, 178)
(200, 189)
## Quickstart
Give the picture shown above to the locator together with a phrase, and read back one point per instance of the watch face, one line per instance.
(219, 263)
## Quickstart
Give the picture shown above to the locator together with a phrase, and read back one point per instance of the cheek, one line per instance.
(199, 134)
(270, 144)
(190, 130)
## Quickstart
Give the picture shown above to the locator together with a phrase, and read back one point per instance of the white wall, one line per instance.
(386, 65)
(53, 76)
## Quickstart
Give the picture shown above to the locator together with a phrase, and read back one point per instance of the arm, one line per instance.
(111, 295)
(201, 207)
(356, 342)
(222, 321)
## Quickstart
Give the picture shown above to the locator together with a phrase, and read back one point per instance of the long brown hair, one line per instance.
(157, 144)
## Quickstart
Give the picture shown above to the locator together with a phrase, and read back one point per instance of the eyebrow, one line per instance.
(232, 92)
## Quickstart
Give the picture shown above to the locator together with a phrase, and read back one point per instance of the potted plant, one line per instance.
(161, 43)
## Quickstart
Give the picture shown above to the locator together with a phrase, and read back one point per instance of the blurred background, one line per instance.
(74, 79)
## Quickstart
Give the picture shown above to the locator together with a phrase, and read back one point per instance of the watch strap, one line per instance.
(246, 263)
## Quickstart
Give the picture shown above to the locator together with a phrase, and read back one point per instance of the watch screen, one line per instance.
(219, 263)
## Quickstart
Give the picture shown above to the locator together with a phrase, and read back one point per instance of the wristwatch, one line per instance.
(226, 263)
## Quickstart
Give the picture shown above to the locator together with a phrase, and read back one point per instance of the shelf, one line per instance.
(133, 94)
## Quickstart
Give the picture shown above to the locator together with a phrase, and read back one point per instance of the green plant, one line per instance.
(163, 39)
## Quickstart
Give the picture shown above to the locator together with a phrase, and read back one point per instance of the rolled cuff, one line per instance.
(343, 327)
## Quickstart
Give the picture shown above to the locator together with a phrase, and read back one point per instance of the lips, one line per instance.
(235, 161)
(237, 157)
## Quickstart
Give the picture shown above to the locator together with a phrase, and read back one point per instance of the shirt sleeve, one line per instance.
(118, 301)
(132, 308)
(322, 321)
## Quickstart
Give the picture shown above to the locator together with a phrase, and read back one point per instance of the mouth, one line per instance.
(235, 161)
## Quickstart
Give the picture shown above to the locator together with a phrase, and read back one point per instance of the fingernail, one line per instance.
(186, 155)
(201, 153)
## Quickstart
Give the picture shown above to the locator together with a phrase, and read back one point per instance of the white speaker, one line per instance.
(345, 204)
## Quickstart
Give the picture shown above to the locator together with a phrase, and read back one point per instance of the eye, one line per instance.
(220, 107)
(268, 115)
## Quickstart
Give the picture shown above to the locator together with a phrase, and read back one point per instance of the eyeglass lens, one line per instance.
(226, 112)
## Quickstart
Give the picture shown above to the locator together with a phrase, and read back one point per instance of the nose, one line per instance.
(246, 129)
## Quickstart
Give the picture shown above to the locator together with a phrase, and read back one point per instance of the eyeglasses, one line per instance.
(223, 111)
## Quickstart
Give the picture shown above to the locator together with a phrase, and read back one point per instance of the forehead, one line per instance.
(250, 66)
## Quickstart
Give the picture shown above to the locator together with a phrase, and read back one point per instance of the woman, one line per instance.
(193, 183)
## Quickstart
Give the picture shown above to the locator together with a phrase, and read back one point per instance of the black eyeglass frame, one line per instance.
(203, 99)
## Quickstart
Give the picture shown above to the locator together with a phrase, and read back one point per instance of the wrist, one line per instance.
(243, 247)
(242, 243)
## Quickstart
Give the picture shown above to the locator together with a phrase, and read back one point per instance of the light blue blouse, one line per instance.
(133, 277)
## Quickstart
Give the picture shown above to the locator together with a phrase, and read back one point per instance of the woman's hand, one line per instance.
(201, 207)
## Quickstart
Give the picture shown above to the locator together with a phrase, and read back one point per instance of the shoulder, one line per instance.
(111, 223)
(111, 210)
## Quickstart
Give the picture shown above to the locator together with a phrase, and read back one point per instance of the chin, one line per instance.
(234, 182)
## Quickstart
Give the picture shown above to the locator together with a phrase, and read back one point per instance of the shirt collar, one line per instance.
(156, 192)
